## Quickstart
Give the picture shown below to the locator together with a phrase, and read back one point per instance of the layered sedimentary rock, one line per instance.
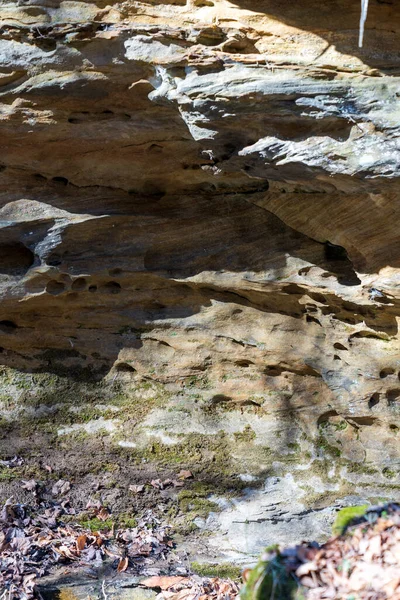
(203, 196)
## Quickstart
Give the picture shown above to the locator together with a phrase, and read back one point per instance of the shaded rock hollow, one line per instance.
(203, 196)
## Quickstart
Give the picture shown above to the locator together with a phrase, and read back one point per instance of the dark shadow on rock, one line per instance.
(115, 277)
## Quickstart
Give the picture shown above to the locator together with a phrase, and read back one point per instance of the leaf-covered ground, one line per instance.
(38, 537)
(361, 564)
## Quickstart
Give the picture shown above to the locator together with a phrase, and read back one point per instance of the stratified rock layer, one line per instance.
(204, 194)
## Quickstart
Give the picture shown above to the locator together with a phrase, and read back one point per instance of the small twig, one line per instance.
(39, 32)
(103, 589)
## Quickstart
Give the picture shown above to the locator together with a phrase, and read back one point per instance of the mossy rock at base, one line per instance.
(223, 571)
(346, 516)
(269, 580)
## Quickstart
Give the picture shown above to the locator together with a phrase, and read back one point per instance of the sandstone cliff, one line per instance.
(199, 249)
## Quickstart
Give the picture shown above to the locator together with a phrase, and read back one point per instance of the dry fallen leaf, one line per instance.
(157, 483)
(164, 583)
(30, 485)
(61, 487)
(123, 564)
(136, 489)
(185, 474)
(81, 542)
(103, 514)
(176, 483)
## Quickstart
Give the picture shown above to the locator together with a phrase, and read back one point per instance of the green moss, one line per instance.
(197, 505)
(345, 516)
(77, 437)
(247, 435)
(195, 381)
(294, 447)
(224, 571)
(361, 468)
(327, 448)
(212, 453)
(127, 521)
(389, 473)
(7, 474)
(320, 468)
(96, 524)
(269, 580)
(341, 426)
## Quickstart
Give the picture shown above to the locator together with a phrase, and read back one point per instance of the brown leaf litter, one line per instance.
(361, 564)
(32, 541)
(193, 588)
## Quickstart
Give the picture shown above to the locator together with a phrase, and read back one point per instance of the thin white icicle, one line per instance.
(363, 18)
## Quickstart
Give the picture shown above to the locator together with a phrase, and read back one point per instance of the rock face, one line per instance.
(201, 197)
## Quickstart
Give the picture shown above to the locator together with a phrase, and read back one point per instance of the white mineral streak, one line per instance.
(363, 18)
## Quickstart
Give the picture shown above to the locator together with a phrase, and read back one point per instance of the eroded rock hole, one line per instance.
(386, 372)
(55, 287)
(92, 289)
(340, 265)
(55, 261)
(60, 180)
(244, 363)
(368, 421)
(79, 285)
(311, 319)
(220, 399)
(124, 368)
(325, 417)
(374, 400)
(392, 396)
(15, 259)
(112, 287)
(335, 252)
(8, 326)
(339, 346)
(272, 371)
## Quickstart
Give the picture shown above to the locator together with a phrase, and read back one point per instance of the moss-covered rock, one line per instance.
(270, 580)
(345, 516)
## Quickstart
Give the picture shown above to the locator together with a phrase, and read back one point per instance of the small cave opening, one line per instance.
(124, 368)
(8, 327)
(15, 259)
(340, 265)
(335, 252)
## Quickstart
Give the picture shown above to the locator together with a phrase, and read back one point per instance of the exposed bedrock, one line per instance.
(204, 196)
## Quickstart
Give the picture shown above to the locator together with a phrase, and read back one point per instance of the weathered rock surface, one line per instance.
(201, 197)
